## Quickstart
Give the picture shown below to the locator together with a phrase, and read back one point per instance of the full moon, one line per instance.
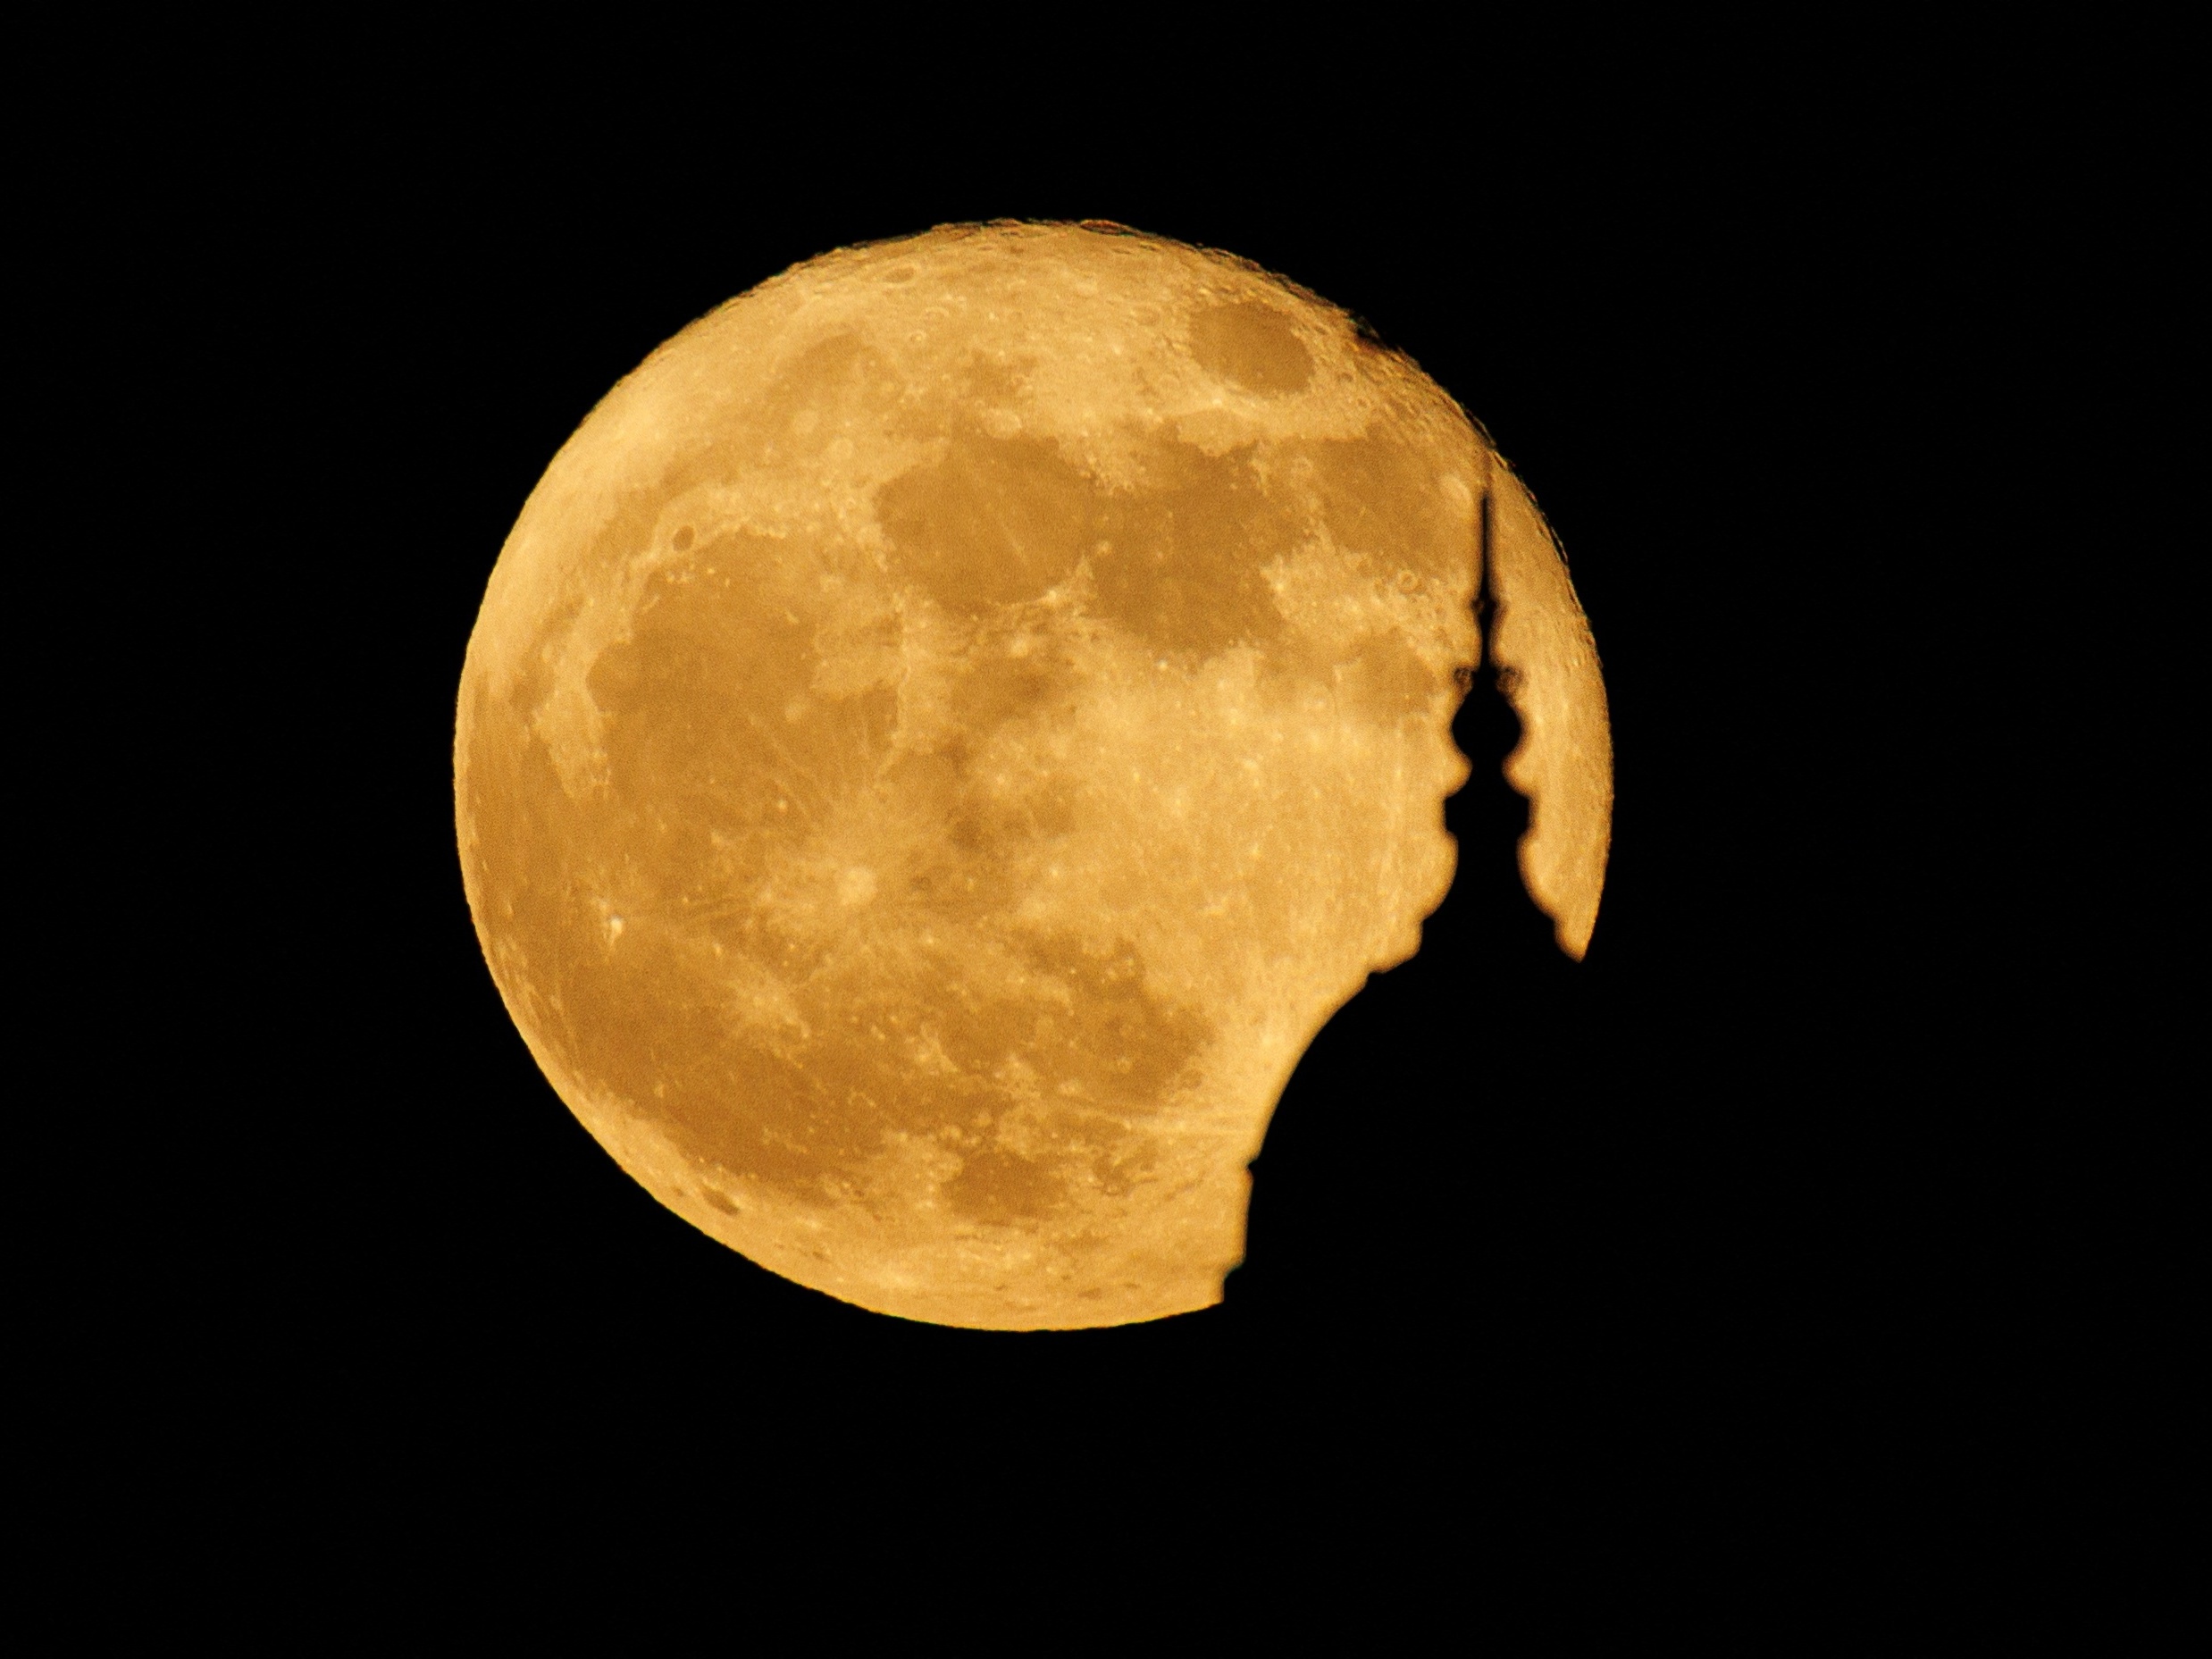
(950, 727)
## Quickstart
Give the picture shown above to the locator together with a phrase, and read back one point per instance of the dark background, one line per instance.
(1720, 1256)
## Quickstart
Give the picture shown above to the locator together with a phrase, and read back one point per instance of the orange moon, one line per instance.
(949, 728)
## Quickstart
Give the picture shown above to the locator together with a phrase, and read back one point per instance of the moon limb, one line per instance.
(949, 729)
(1563, 761)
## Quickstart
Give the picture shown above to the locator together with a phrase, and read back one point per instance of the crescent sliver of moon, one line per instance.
(949, 728)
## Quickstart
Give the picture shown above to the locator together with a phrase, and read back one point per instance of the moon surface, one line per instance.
(950, 727)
